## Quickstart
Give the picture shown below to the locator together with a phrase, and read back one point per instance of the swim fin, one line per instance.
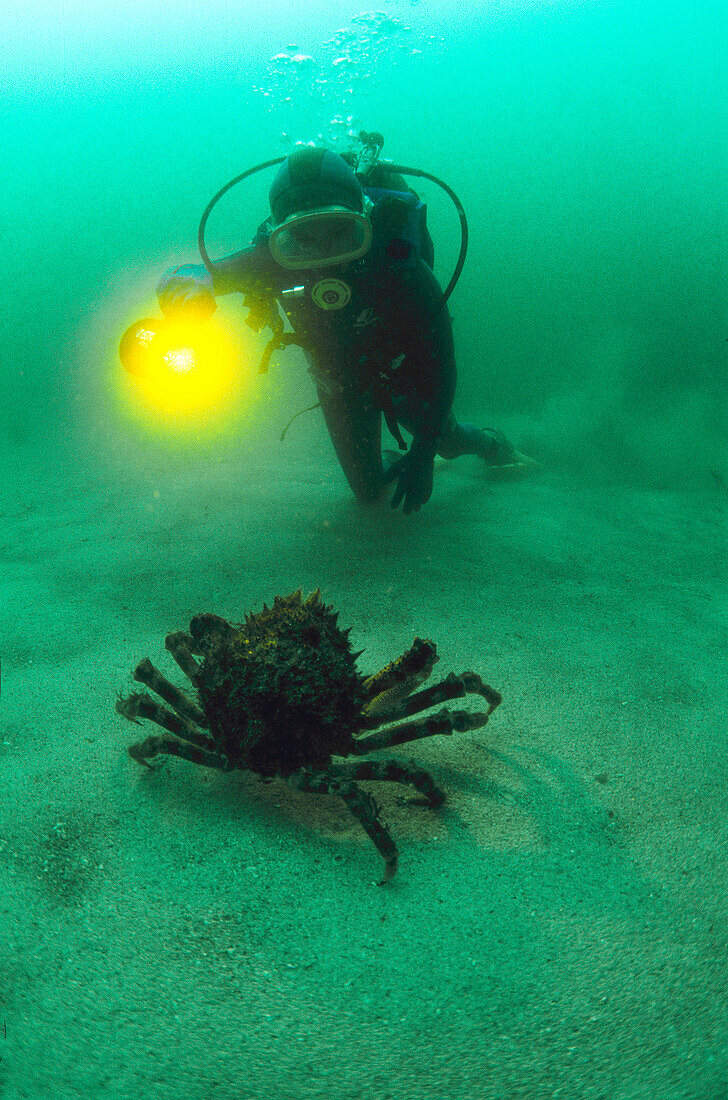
(518, 466)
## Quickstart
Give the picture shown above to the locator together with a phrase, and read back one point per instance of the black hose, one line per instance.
(216, 198)
(463, 223)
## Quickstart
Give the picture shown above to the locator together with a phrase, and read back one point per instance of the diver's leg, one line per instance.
(354, 424)
(459, 438)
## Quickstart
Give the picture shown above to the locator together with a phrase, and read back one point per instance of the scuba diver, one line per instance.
(347, 256)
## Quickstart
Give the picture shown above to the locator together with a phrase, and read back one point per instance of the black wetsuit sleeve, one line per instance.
(242, 272)
(423, 387)
(249, 269)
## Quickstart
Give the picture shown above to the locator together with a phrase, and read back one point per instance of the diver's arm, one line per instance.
(429, 386)
(440, 364)
(191, 289)
(432, 350)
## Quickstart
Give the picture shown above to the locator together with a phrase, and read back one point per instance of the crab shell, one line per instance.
(280, 691)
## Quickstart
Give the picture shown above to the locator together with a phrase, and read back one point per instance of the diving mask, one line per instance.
(320, 238)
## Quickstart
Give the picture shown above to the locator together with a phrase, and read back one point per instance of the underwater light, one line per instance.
(180, 366)
(181, 359)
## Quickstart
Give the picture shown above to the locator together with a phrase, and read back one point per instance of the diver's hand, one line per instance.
(413, 472)
(186, 292)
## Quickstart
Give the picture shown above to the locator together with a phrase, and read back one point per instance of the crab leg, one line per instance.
(444, 722)
(140, 705)
(392, 771)
(178, 645)
(146, 673)
(143, 752)
(361, 805)
(397, 679)
(453, 687)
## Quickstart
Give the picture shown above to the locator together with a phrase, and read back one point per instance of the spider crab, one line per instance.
(280, 695)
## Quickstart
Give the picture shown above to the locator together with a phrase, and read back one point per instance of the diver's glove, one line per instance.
(186, 292)
(413, 472)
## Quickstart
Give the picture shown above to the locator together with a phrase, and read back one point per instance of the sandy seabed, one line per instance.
(558, 929)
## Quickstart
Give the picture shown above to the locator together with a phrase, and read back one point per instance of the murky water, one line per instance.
(559, 929)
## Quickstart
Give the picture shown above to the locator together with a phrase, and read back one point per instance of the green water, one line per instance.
(559, 928)
(586, 141)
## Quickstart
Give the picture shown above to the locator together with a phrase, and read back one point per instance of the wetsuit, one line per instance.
(381, 347)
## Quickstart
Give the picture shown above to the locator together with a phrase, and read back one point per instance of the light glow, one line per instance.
(194, 372)
(181, 360)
